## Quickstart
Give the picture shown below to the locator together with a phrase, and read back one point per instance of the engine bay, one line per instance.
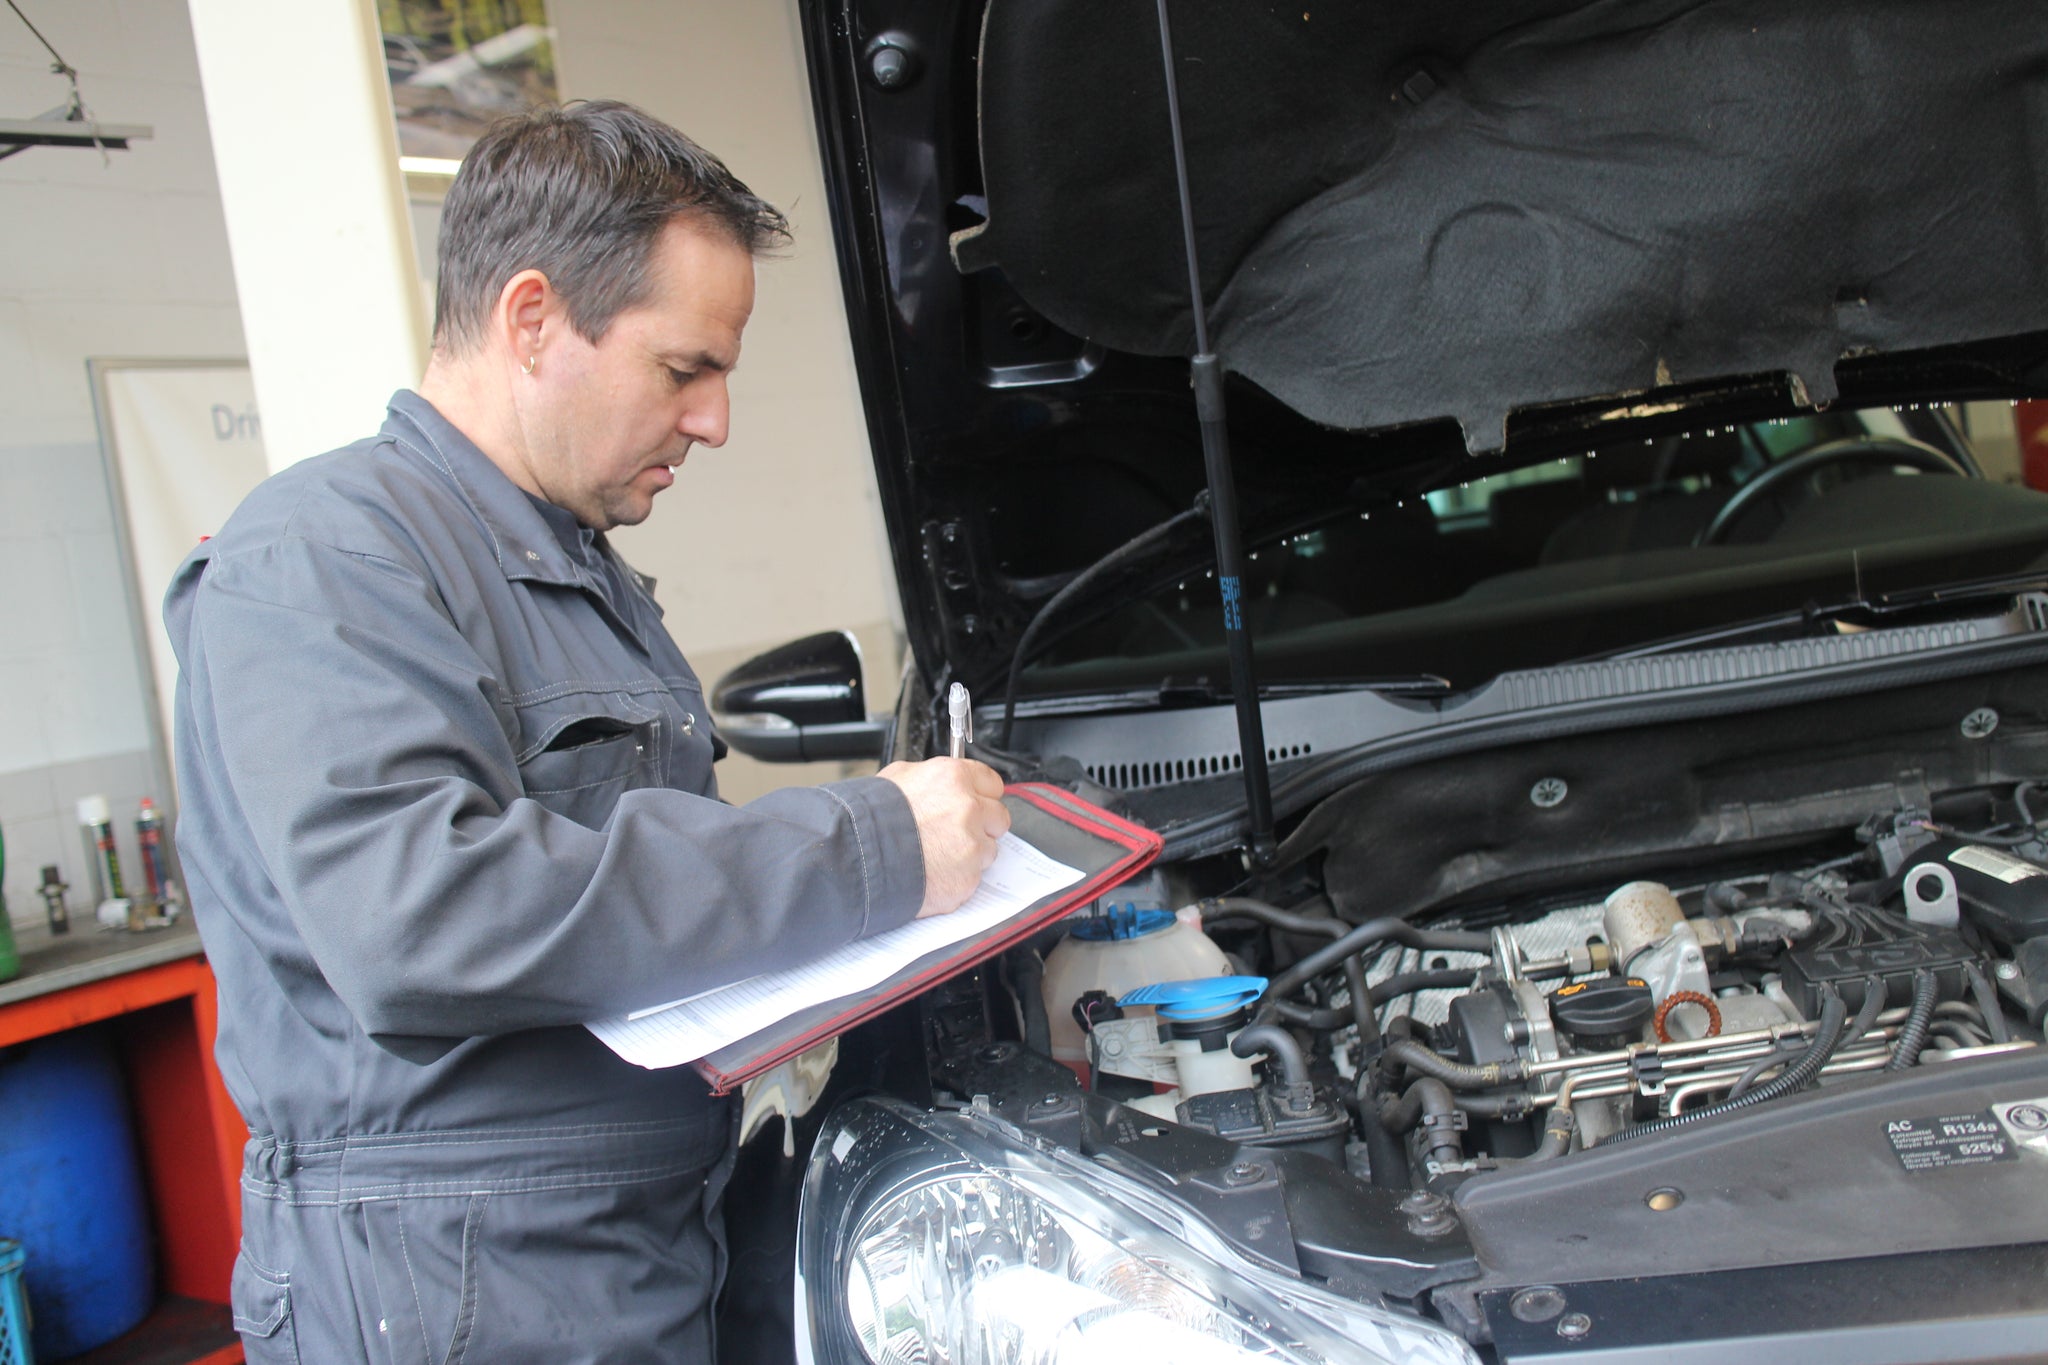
(1438, 1078)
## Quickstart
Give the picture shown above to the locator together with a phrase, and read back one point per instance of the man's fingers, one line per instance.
(960, 817)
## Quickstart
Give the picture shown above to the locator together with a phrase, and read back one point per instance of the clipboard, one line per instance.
(1107, 850)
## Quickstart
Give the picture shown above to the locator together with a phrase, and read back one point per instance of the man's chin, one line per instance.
(628, 513)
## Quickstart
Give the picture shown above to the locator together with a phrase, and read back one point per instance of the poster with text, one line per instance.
(184, 446)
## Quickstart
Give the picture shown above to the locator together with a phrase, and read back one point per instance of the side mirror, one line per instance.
(800, 703)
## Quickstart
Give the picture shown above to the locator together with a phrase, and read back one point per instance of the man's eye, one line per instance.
(680, 377)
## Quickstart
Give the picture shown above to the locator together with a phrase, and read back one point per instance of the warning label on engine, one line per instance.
(2027, 1120)
(1950, 1140)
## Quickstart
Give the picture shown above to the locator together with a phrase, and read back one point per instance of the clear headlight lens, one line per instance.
(950, 1238)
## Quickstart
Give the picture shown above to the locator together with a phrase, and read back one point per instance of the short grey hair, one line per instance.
(580, 193)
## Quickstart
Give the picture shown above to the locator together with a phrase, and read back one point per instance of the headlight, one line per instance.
(931, 1237)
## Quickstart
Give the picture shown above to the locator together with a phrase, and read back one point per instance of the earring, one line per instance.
(528, 367)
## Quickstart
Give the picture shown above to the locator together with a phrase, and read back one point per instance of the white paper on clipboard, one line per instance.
(685, 1030)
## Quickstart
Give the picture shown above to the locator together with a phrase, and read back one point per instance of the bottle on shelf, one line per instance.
(114, 909)
(54, 905)
(149, 838)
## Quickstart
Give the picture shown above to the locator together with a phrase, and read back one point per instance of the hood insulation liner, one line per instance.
(1408, 212)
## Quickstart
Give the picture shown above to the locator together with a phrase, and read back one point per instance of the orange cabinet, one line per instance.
(188, 1133)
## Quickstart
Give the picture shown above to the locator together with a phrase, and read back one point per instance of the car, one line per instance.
(1590, 693)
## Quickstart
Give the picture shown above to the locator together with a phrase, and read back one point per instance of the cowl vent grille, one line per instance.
(1133, 751)
(1159, 772)
(1633, 677)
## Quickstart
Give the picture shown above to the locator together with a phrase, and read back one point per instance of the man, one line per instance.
(447, 795)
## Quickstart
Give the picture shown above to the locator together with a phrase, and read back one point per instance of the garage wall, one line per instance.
(125, 257)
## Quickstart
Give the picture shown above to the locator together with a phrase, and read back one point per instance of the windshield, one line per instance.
(1597, 551)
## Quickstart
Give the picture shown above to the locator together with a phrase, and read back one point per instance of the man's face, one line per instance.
(618, 416)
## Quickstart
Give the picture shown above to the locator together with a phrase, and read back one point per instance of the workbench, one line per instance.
(154, 988)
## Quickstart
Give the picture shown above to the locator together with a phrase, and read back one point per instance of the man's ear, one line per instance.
(528, 312)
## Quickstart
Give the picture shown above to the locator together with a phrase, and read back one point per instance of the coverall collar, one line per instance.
(526, 546)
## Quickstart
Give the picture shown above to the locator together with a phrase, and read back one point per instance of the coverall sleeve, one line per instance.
(358, 736)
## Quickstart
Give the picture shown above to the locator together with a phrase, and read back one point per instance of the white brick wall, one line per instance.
(125, 257)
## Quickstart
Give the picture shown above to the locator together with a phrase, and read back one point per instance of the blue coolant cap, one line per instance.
(1204, 999)
(1119, 922)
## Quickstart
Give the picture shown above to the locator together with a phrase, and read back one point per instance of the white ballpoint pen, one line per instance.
(959, 709)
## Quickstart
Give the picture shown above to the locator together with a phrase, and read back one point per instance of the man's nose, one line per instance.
(707, 420)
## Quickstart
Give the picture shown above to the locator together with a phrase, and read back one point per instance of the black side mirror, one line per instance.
(800, 703)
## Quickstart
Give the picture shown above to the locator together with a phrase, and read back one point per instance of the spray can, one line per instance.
(115, 910)
(52, 891)
(86, 808)
(149, 844)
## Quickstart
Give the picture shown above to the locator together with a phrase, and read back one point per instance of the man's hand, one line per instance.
(960, 815)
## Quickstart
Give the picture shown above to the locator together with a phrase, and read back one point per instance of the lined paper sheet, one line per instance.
(684, 1030)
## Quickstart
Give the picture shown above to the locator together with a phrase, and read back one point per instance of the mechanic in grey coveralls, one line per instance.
(447, 795)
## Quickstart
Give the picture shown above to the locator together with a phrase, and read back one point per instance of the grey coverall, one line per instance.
(447, 794)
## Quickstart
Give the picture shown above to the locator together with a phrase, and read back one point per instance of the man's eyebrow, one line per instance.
(698, 360)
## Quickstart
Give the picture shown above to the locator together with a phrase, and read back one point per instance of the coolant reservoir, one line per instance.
(1116, 953)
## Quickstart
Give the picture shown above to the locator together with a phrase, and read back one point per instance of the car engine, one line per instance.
(1420, 1053)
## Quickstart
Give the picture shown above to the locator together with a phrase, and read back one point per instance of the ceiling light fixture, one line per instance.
(70, 124)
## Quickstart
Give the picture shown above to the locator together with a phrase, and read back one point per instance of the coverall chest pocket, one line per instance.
(580, 752)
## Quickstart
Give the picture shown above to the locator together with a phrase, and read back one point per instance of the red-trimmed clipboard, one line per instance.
(1107, 850)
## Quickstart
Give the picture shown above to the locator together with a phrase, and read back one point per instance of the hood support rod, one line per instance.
(1207, 377)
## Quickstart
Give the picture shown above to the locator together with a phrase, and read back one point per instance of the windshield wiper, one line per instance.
(1869, 612)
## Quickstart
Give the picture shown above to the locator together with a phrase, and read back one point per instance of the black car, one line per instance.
(1635, 896)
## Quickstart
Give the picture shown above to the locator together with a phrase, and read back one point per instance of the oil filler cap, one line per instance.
(1603, 1015)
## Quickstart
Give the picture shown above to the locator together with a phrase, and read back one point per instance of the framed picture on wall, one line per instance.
(457, 65)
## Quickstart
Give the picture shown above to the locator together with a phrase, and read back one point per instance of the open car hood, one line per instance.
(1430, 236)
(1407, 212)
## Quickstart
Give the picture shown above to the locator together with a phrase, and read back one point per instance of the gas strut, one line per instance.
(1207, 377)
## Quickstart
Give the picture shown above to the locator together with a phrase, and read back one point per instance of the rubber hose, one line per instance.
(1302, 1016)
(1834, 1016)
(1293, 921)
(1296, 922)
(1557, 1135)
(1913, 1033)
(1949, 1031)
(1360, 996)
(1029, 973)
(2019, 798)
(1987, 1004)
(1432, 1100)
(1756, 1069)
(1388, 1156)
(1368, 934)
(1277, 1043)
(1393, 988)
(1137, 546)
(1457, 1075)
(1399, 1114)
(1404, 983)
(1557, 1130)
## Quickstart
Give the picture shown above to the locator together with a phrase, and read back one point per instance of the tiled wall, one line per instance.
(124, 257)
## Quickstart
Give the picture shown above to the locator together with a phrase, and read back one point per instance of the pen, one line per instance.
(958, 709)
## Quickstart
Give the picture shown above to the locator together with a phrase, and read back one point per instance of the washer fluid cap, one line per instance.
(1204, 999)
(1119, 922)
